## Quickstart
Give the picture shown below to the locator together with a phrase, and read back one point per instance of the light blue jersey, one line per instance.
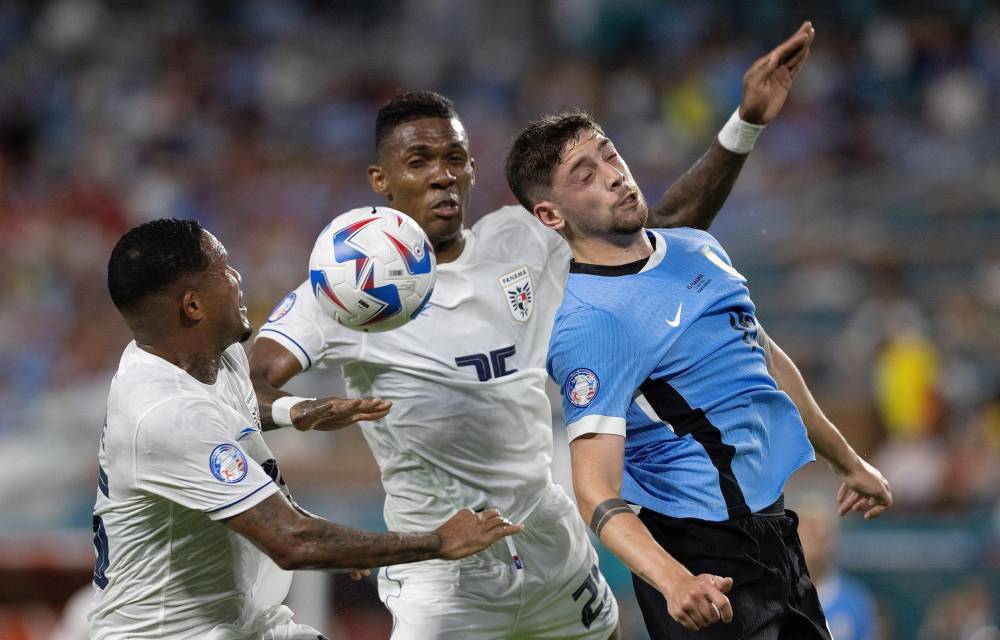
(664, 352)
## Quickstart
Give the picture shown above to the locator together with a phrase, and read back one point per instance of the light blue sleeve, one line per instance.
(595, 363)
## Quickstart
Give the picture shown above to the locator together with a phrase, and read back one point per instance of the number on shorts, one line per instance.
(589, 612)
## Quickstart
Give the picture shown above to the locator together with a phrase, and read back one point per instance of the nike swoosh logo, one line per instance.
(677, 318)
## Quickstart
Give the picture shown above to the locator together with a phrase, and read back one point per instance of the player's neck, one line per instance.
(611, 249)
(201, 362)
(449, 250)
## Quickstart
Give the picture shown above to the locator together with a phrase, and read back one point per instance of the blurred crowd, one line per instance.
(867, 218)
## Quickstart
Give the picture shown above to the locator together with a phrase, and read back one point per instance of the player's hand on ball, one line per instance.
(864, 489)
(329, 414)
(767, 82)
(697, 602)
(468, 532)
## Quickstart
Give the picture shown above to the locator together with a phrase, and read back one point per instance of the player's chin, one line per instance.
(246, 330)
(629, 222)
(444, 227)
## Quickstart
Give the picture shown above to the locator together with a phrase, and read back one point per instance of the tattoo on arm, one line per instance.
(298, 542)
(697, 196)
(605, 511)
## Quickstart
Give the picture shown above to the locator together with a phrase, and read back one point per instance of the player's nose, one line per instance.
(442, 176)
(616, 178)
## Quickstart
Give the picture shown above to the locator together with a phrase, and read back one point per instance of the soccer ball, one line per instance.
(372, 269)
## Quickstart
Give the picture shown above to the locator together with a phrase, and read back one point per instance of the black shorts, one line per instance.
(773, 597)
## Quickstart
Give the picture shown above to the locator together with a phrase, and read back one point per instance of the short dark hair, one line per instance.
(537, 151)
(151, 257)
(410, 106)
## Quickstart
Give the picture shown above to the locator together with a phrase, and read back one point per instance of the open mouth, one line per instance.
(630, 200)
(446, 207)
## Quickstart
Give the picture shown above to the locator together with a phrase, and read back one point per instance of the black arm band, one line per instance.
(605, 511)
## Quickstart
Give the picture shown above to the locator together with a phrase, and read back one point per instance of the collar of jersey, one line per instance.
(629, 268)
(160, 362)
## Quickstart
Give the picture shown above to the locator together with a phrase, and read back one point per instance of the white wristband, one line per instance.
(281, 409)
(738, 135)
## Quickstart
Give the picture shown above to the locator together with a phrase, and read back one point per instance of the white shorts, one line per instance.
(559, 592)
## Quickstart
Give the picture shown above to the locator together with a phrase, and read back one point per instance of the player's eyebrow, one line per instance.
(423, 147)
(418, 147)
(579, 161)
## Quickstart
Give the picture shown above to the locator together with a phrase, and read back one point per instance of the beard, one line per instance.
(632, 223)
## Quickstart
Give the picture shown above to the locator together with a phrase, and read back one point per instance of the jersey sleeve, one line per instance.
(184, 453)
(301, 326)
(593, 361)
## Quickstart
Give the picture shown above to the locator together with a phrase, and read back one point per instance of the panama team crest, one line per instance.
(581, 387)
(228, 463)
(518, 292)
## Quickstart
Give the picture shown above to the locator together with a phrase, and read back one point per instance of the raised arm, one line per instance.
(693, 601)
(272, 365)
(295, 540)
(696, 197)
(863, 488)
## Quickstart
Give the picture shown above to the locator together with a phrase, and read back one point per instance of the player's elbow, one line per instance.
(589, 495)
(292, 554)
(287, 560)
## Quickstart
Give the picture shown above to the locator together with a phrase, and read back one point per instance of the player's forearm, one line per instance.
(823, 434)
(627, 537)
(266, 395)
(325, 545)
(696, 197)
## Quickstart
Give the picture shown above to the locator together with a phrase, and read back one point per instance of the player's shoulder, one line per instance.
(142, 375)
(513, 225)
(688, 236)
(507, 217)
(580, 315)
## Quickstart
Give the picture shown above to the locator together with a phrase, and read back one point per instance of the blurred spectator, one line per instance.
(962, 613)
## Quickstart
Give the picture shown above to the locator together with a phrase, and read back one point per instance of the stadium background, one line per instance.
(867, 220)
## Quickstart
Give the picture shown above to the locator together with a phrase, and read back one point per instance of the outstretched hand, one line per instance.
(767, 82)
(469, 532)
(329, 414)
(864, 489)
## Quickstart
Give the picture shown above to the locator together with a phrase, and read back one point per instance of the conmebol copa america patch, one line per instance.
(581, 387)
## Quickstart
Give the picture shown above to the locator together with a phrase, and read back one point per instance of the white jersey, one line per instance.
(471, 424)
(176, 457)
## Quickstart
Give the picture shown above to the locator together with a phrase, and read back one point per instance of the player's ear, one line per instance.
(192, 306)
(379, 181)
(549, 215)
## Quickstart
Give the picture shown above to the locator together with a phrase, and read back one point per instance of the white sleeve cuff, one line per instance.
(289, 343)
(248, 501)
(596, 424)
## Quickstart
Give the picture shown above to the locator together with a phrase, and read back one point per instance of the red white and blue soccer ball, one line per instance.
(372, 269)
